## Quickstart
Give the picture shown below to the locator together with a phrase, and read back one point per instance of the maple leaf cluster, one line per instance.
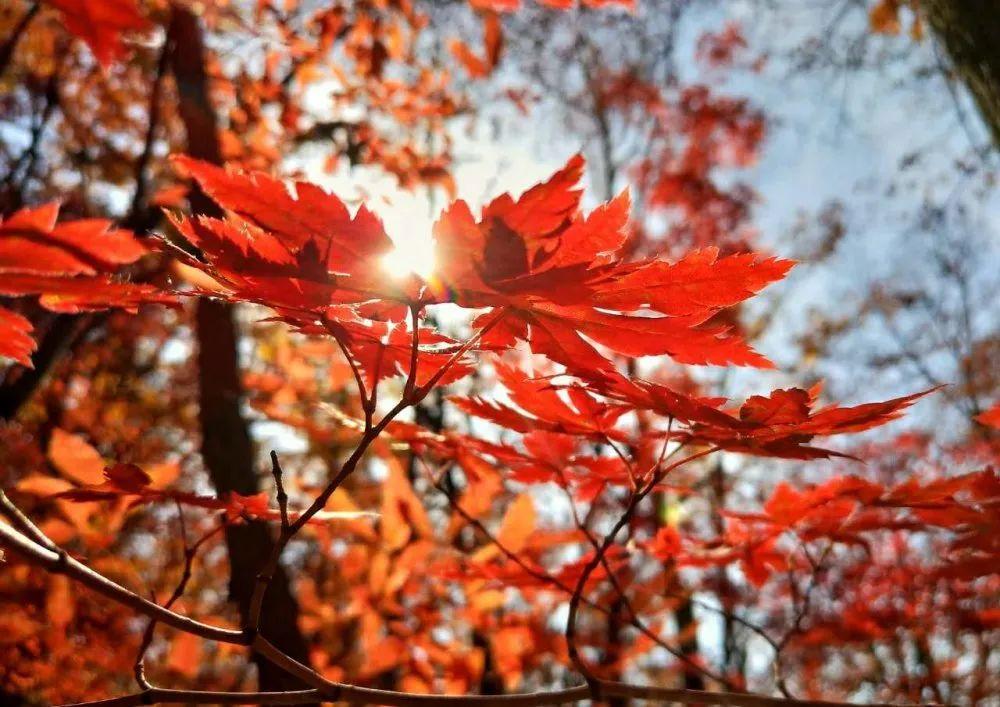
(535, 270)
(70, 266)
(546, 274)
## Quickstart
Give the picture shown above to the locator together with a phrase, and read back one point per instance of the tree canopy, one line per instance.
(264, 442)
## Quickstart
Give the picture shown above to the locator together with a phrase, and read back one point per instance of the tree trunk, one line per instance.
(226, 445)
(57, 333)
(969, 31)
(228, 454)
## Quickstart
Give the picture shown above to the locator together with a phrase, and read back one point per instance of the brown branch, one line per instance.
(263, 579)
(190, 552)
(542, 576)
(141, 219)
(352, 694)
(412, 395)
(288, 531)
(371, 433)
(359, 380)
(158, 695)
(280, 494)
(411, 377)
(20, 521)
(634, 619)
(588, 570)
(58, 562)
(20, 172)
(8, 47)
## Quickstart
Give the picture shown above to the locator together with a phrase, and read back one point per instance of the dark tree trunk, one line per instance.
(226, 445)
(228, 453)
(684, 615)
(56, 336)
(613, 651)
(969, 31)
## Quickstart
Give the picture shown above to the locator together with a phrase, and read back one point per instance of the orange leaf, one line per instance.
(75, 459)
(59, 604)
(990, 418)
(884, 17)
(518, 523)
(185, 654)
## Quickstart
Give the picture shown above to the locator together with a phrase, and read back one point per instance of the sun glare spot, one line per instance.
(409, 225)
(410, 257)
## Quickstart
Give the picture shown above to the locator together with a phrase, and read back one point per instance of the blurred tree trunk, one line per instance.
(57, 333)
(969, 31)
(612, 658)
(226, 445)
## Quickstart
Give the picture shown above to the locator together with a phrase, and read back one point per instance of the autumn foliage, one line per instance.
(492, 463)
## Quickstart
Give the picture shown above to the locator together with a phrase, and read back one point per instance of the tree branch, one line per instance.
(588, 570)
(8, 47)
(58, 562)
(190, 552)
(20, 521)
(366, 695)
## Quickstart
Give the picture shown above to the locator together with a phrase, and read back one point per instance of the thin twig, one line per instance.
(8, 47)
(137, 218)
(371, 433)
(634, 619)
(588, 570)
(546, 578)
(263, 579)
(411, 378)
(281, 495)
(190, 552)
(60, 563)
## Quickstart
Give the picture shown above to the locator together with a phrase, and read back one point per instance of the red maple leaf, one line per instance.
(130, 483)
(541, 407)
(71, 267)
(778, 425)
(562, 281)
(990, 418)
(101, 23)
(15, 337)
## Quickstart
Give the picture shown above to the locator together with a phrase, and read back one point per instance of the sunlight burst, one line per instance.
(409, 225)
(410, 257)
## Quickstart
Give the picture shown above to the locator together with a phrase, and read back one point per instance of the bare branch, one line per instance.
(366, 695)
(8, 47)
(190, 552)
(541, 575)
(598, 558)
(58, 562)
(20, 521)
(281, 496)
